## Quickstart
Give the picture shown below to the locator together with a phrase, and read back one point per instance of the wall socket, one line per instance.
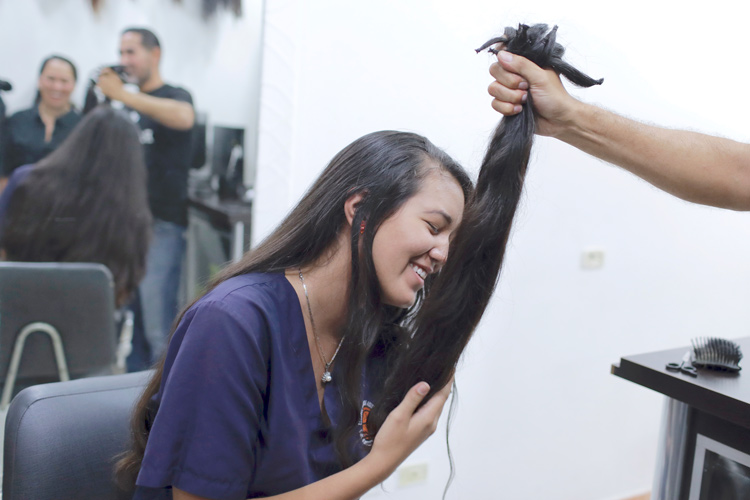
(592, 258)
(409, 475)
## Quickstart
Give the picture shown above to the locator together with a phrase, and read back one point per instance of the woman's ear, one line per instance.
(351, 204)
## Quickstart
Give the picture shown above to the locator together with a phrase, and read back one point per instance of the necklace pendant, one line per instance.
(326, 377)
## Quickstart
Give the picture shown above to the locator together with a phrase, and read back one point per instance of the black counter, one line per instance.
(722, 394)
(223, 214)
(713, 407)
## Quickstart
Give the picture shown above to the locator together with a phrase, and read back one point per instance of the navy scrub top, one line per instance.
(17, 177)
(237, 410)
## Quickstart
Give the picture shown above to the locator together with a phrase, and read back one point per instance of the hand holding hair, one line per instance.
(408, 426)
(695, 167)
(110, 84)
(517, 78)
(538, 45)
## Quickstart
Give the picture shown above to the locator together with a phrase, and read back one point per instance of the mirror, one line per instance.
(217, 59)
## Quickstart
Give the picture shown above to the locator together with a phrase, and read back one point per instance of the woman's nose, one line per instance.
(439, 254)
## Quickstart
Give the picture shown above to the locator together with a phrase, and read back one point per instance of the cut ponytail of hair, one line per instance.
(460, 293)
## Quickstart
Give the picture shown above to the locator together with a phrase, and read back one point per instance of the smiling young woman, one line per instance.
(269, 377)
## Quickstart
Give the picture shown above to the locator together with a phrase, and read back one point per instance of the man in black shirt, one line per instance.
(165, 116)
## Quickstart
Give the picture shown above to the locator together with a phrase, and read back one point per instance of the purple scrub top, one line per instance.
(17, 177)
(237, 413)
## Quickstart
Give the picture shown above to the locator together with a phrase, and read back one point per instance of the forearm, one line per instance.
(695, 167)
(349, 484)
(169, 112)
(403, 431)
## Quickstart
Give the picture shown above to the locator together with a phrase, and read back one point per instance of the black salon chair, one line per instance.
(62, 439)
(57, 322)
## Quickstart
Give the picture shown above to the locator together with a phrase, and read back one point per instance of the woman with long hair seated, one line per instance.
(269, 377)
(85, 202)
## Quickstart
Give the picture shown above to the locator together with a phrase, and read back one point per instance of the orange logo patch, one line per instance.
(364, 414)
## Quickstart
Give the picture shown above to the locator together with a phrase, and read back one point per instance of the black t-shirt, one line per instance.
(167, 153)
(25, 132)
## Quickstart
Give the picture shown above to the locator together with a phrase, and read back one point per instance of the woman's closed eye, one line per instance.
(433, 228)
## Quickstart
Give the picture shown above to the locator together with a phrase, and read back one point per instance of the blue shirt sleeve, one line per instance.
(15, 179)
(205, 435)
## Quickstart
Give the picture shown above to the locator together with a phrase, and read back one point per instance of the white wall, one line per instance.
(540, 416)
(217, 60)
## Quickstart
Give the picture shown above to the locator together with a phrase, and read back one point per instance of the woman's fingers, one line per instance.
(411, 401)
(407, 427)
(430, 413)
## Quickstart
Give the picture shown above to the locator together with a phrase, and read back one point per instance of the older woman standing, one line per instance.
(35, 132)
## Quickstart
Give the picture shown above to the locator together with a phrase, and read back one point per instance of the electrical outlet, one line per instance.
(592, 258)
(409, 475)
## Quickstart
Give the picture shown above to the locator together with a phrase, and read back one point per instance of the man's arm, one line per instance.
(171, 113)
(695, 167)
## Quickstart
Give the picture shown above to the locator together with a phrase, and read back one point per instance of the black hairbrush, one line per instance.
(716, 354)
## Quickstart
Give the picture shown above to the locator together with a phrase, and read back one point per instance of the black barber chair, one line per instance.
(57, 322)
(61, 439)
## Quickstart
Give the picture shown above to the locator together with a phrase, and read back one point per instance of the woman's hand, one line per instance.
(406, 428)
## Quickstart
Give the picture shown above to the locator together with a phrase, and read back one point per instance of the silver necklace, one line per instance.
(327, 373)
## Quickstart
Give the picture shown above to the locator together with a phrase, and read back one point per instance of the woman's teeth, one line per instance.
(421, 272)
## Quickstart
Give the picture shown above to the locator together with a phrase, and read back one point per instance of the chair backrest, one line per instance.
(77, 299)
(61, 439)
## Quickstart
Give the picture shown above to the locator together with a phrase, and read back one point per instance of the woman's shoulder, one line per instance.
(258, 290)
(73, 116)
(20, 173)
(23, 115)
(16, 178)
(249, 309)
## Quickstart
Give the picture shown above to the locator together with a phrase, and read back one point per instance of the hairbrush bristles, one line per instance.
(716, 354)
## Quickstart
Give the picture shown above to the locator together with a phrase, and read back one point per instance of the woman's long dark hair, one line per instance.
(460, 293)
(86, 202)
